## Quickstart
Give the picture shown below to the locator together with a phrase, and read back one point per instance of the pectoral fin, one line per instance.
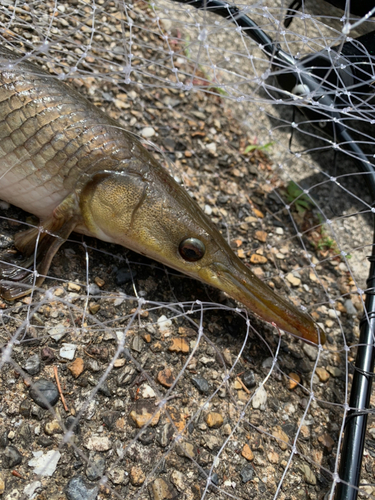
(37, 247)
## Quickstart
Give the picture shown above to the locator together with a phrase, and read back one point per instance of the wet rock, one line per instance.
(249, 379)
(247, 473)
(96, 467)
(201, 384)
(32, 365)
(77, 489)
(11, 457)
(44, 441)
(44, 393)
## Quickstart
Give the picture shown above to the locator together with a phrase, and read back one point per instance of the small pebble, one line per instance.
(247, 452)
(281, 437)
(44, 393)
(137, 476)
(76, 489)
(294, 380)
(247, 473)
(57, 332)
(260, 398)
(293, 280)
(349, 306)
(310, 477)
(32, 365)
(334, 371)
(249, 379)
(161, 490)
(68, 351)
(77, 367)
(310, 351)
(147, 132)
(11, 457)
(73, 287)
(179, 344)
(165, 377)
(164, 323)
(95, 467)
(322, 374)
(98, 443)
(31, 488)
(201, 384)
(47, 355)
(214, 420)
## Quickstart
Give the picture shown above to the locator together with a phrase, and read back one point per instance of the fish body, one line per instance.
(67, 162)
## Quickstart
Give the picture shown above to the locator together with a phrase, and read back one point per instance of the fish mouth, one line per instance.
(241, 284)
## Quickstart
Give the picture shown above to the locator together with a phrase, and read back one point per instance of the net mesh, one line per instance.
(170, 389)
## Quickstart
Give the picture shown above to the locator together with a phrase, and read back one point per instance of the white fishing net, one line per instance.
(172, 390)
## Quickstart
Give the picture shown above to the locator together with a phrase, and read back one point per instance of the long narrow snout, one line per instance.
(240, 283)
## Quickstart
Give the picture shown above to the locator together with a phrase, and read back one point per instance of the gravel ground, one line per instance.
(167, 397)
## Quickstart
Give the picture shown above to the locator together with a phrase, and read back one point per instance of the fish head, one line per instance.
(149, 212)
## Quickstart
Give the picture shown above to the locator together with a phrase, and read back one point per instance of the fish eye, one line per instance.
(192, 249)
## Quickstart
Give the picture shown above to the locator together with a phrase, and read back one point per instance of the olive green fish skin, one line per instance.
(64, 160)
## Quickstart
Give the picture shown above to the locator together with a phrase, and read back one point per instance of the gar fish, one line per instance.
(68, 163)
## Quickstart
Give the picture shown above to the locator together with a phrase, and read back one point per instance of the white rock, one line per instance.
(148, 132)
(30, 489)
(68, 351)
(350, 309)
(207, 210)
(147, 392)
(164, 323)
(279, 230)
(57, 332)
(260, 398)
(13, 495)
(98, 443)
(211, 147)
(310, 351)
(45, 463)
